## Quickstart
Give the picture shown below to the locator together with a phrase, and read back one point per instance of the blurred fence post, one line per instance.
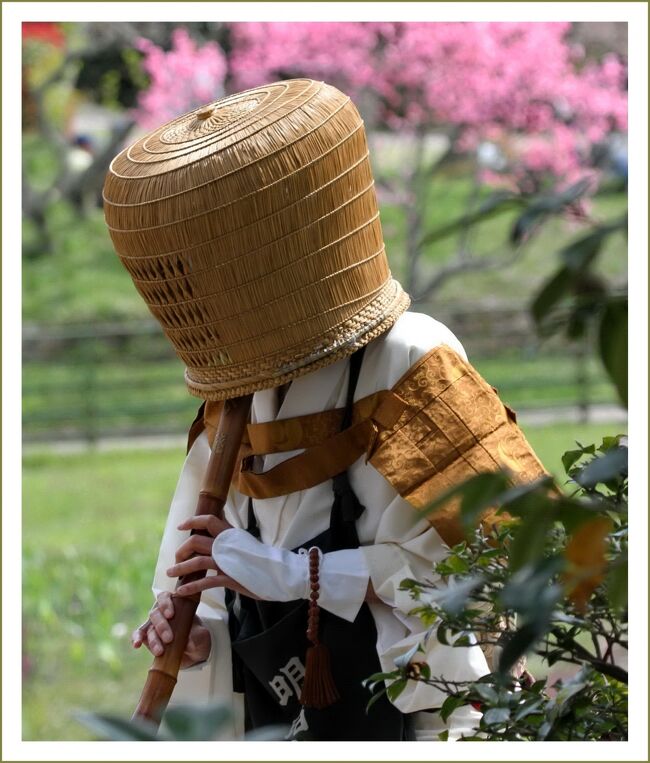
(90, 425)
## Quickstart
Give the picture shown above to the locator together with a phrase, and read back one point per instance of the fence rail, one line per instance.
(91, 382)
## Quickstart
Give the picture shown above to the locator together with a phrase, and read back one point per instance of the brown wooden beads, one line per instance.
(314, 610)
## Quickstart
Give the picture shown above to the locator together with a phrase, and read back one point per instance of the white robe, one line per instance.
(395, 541)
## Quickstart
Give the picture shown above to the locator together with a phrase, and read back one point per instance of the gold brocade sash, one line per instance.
(327, 450)
(438, 425)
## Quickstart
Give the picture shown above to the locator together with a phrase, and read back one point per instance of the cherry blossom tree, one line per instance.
(521, 100)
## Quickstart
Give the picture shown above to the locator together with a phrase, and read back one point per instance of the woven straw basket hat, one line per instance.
(250, 226)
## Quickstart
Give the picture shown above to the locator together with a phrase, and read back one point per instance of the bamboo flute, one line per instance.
(163, 673)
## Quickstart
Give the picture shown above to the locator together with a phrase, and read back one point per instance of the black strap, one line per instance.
(196, 427)
(355, 369)
(347, 508)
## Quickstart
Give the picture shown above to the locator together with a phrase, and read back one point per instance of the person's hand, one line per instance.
(195, 555)
(156, 632)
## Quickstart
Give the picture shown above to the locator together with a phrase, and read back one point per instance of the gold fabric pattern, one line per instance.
(454, 426)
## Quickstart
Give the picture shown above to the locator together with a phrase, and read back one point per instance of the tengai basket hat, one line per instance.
(250, 226)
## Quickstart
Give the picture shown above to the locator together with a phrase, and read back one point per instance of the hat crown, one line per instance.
(250, 227)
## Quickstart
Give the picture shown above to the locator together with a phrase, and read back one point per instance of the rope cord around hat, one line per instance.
(374, 313)
(212, 387)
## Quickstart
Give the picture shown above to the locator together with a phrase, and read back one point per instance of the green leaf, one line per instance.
(570, 457)
(496, 715)
(477, 494)
(612, 442)
(115, 729)
(396, 688)
(580, 254)
(572, 512)
(195, 722)
(453, 597)
(606, 467)
(529, 540)
(612, 344)
(617, 584)
(517, 645)
(569, 688)
(375, 678)
(529, 708)
(449, 705)
(441, 634)
(554, 290)
(486, 693)
(375, 697)
(408, 584)
(457, 565)
(443, 736)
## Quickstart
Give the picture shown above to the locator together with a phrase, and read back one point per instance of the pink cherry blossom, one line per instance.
(487, 80)
(526, 87)
(181, 79)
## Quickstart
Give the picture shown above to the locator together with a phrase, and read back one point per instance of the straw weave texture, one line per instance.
(251, 229)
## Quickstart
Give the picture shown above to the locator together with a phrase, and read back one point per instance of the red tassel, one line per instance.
(318, 688)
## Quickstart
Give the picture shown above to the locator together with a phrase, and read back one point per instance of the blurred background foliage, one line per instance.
(500, 156)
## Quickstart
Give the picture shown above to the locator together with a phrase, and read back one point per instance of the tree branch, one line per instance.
(469, 264)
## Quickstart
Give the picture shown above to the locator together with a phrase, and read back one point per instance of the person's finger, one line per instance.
(161, 626)
(207, 522)
(213, 581)
(196, 586)
(194, 564)
(195, 544)
(138, 635)
(165, 603)
(154, 643)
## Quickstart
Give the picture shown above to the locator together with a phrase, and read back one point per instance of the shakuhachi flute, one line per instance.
(162, 675)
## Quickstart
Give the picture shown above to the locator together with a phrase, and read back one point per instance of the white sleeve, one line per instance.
(277, 574)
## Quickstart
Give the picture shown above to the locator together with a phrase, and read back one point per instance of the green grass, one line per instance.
(91, 529)
(91, 526)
